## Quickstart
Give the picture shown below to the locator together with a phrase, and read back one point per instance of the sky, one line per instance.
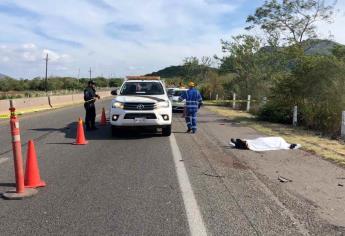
(116, 38)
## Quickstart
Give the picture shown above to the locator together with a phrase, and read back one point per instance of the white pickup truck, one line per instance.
(141, 101)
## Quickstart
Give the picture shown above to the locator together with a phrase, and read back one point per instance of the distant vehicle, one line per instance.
(174, 96)
(142, 101)
(170, 91)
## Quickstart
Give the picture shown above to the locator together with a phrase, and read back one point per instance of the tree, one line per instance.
(115, 82)
(205, 65)
(191, 67)
(294, 20)
(339, 52)
(242, 60)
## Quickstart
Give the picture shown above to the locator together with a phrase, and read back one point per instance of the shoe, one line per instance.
(232, 142)
(193, 131)
(295, 146)
(188, 130)
(94, 128)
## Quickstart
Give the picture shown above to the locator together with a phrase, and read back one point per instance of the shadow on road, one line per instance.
(102, 133)
(7, 185)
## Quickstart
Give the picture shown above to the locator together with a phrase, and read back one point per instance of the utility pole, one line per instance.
(90, 73)
(46, 79)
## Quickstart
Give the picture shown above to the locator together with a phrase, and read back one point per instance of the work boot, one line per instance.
(188, 130)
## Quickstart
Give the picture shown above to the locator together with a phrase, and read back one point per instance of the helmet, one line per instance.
(191, 84)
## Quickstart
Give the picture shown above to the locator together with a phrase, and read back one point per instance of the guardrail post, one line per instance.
(343, 125)
(248, 103)
(264, 100)
(210, 95)
(217, 96)
(294, 119)
(234, 101)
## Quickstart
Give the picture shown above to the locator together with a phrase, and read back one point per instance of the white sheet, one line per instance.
(268, 144)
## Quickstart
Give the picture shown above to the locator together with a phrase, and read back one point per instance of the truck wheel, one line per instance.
(166, 131)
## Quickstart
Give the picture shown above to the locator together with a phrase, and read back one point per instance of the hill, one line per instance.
(169, 72)
(319, 47)
(2, 76)
(314, 47)
(173, 72)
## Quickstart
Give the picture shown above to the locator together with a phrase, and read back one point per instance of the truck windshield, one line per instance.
(178, 92)
(170, 91)
(142, 88)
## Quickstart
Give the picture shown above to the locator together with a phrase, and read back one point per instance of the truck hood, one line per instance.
(175, 98)
(142, 98)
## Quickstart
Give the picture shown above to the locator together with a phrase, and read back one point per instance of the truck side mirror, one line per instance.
(113, 92)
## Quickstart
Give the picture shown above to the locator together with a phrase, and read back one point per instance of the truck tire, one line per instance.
(166, 131)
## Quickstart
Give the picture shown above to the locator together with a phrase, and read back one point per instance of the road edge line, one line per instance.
(194, 217)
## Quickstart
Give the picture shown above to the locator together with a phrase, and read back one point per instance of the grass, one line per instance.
(311, 141)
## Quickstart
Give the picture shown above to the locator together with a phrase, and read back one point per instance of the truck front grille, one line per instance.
(139, 106)
(140, 115)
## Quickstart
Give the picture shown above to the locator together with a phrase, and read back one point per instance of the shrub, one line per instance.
(317, 86)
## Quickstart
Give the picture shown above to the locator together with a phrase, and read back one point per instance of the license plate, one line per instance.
(139, 120)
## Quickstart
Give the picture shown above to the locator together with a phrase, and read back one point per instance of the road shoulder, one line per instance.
(313, 196)
(232, 199)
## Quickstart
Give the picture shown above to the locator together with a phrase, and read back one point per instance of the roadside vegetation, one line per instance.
(286, 63)
(12, 88)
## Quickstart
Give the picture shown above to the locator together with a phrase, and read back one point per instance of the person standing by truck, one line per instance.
(90, 99)
(193, 103)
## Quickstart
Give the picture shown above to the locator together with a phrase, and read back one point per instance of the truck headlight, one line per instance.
(164, 104)
(117, 105)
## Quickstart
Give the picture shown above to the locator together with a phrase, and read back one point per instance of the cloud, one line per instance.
(29, 56)
(118, 37)
(55, 39)
(126, 31)
(29, 46)
(14, 10)
(101, 4)
(334, 30)
(5, 59)
(54, 56)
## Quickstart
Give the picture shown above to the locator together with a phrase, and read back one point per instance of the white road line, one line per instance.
(195, 222)
(2, 160)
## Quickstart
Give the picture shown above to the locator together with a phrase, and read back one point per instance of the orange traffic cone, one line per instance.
(103, 118)
(80, 139)
(32, 172)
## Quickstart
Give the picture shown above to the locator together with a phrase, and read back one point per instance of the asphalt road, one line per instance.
(137, 184)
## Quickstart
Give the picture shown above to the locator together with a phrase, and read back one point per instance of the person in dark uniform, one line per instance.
(90, 98)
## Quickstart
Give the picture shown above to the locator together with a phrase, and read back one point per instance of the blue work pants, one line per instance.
(191, 120)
